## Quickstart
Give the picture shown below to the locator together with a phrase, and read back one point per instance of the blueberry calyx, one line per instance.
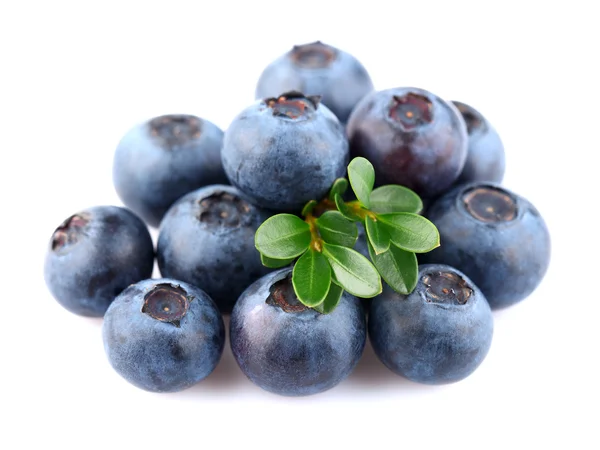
(293, 105)
(223, 209)
(70, 231)
(167, 303)
(490, 204)
(411, 110)
(472, 118)
(175, 130)
(315, 55)
(282, 295)
(446, 287)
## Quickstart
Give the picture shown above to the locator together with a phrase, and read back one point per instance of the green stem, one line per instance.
(360, 211)
(323, 206)
(316, 243)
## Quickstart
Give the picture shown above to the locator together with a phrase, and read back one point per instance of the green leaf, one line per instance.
(331, 301)
(393, 198)
(378, 235)
(397, 267)
(339, 186)
(334, 228)
(362, 179)
(353, 271)
(282, 236)
(411, 232)
(308, 208)
(273, 263)
(311, 278)
(346, 211)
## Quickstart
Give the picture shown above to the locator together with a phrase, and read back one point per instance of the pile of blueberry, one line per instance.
(257, 222)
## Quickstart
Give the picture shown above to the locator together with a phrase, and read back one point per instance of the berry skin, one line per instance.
(95, 254)
(207, 239)
(318, 69)
(163, 159)
(438, 334)
(283, 152)
(412, 138)
(289, 349)
(497, 238)
(163, 335)
(485, 157)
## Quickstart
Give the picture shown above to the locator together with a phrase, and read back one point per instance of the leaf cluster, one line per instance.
(321, 243)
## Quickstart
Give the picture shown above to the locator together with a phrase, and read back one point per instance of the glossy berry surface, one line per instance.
(282, 152)
(497, 238)
(160, 160)
(485, 156)
(95, 254)
(412, 137)
(318, 69)
(289, 349)
(438, 334)
(163, 335)
(207, 239)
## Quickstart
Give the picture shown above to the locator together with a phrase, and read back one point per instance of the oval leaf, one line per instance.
(339, 186)
(353, 271)
(282, 236)
(331, 301)
(334, 228)
(362, 179)
(311, 278)
(397, 267)
(394, 198)
(378, 235)
(346, 211)
(411, 232)
(308, 208)
(275, 263)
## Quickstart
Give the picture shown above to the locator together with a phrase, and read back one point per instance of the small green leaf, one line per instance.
(311, 278)
(362, 179)
(411, 232)
(308, 208)
(346, 211)
(334, 228)
(353, 271)
(393, 198)
(397, 267)
(339, 186)
(282, 236)
(378, 235)
(273, 263)
(331, 301)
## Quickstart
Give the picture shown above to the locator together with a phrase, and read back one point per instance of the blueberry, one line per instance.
(496, 237)
(94, 255)
(318, 69)
(412, 138)
(162, 159)
(289, 349)
(438, 334)
(207, 239)
(163, 335)
(283, 152)
(485, 157)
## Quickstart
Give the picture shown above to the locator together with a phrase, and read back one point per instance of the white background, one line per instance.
(75, 77)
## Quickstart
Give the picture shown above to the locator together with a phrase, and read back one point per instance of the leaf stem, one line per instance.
(361, 211)
(323, 206)
(316, 243)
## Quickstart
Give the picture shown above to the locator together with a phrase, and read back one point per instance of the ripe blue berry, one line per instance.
(163, 335)
(440, 333)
